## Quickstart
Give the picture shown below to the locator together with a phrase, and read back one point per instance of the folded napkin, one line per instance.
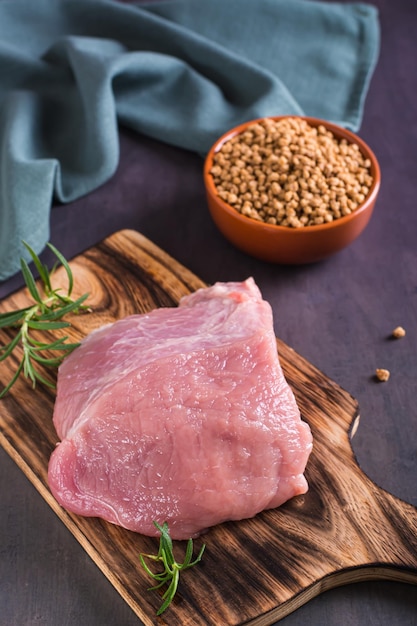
(180, 71)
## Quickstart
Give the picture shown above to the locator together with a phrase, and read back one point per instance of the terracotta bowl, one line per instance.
(284, 244)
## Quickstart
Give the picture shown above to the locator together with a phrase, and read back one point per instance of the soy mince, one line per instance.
(289, 173)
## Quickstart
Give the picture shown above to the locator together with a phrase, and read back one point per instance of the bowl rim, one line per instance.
(338, 131)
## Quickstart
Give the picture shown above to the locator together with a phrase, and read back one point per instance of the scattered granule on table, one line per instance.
(382, 375)
(398, 332)
(289, 173)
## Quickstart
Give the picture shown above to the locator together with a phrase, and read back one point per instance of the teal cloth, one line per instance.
(180, 71)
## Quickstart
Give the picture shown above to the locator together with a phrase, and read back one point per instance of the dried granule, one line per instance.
(382, 374)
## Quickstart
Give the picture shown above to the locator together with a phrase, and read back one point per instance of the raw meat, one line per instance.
(180, 415)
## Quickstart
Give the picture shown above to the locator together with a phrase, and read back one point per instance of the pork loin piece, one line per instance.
(180, 415)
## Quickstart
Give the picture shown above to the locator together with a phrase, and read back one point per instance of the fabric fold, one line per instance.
(179, 71)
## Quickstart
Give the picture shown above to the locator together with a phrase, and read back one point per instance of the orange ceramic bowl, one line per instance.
(284, 244)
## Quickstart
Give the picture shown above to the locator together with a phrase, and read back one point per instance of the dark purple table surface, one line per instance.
(337, 314)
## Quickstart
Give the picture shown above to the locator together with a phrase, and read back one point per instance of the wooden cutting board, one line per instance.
(254, 572)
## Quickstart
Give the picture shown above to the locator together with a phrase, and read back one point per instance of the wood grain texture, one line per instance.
(345, 529)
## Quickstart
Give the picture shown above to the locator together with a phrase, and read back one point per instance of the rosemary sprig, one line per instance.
(171, 572)
(46, 313)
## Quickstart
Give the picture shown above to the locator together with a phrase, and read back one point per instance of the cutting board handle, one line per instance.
(364, 531)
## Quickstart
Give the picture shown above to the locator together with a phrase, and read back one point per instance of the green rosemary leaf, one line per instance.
(145, 565)
(171, 569)
(66, 347)
(5, 351)
(12, 382)
(54, 362)
(66, 267)
(54, 345)
(42, 269)
(28, 370)
(45, 314)
(166, 544)
(199, 555)
(72, 306)
(9, 319)
(43, 380)
(170, 593)
(30, 281)
(48, 325)
(188, 553)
